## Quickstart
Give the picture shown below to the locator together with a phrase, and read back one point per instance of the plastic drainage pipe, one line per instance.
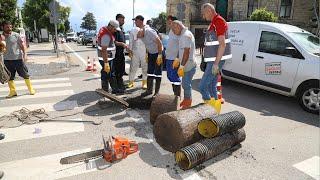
(221, 124)
(199, 152)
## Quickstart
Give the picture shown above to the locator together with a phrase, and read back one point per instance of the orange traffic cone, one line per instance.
(219, 88)
(89, 67)
(94, 68)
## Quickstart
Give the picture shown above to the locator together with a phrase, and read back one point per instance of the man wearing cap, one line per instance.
(119, 61)
(187, 67)
(172, 60)
(106, 53)
(137, 52)
(154, 50)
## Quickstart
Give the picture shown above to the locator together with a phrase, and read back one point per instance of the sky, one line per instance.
(105, 10)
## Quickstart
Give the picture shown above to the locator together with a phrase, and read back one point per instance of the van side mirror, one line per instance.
(293, 52)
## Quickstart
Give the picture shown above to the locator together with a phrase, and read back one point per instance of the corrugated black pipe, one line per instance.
(221, 124)
(199, 152)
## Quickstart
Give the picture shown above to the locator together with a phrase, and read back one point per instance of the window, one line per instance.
(285, 8)
(252, 5)
(274, 43)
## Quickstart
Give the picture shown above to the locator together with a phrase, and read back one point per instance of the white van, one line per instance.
(276, 57)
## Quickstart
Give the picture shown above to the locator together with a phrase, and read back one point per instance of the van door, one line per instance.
(276, 61)
(243, 38)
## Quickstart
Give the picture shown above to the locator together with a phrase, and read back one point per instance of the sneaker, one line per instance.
(140, 76)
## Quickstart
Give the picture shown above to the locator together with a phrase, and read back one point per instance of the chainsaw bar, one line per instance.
(82, 157)
(112, 97)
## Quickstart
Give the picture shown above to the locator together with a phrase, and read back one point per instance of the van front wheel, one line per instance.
(309, 97)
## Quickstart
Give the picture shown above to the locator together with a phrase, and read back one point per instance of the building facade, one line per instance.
(296, 12)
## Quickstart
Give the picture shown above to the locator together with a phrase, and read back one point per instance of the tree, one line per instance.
(38, 11)
(67, 25)
(160, 22)
(89, 22)
(263, 15)
(8, 11)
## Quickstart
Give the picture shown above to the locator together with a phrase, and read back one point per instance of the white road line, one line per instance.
(43, 95)
(47, 167)
(43, 129)
(60, 106)
(310, 167)
(38, 86)
(190, 175)
(80, 58)
(33, 81)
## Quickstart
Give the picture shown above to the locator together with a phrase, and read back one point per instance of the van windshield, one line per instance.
(308, 41)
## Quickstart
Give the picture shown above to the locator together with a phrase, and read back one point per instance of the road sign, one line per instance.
(54, 12)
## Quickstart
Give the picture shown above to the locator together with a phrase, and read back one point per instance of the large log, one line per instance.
(163, 103)
(178, 129)
(135, 100)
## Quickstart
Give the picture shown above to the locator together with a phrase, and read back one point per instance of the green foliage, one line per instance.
(38, 10)
(8, 12)
(67, 26)
(160, 22)
(263, 15)
(89, 22)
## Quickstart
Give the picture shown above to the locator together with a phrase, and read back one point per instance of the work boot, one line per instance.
(105, 86)
(149, 86)
(120, 83)
(158, 84)
(186, 103)
(30, 88)
(12, 88)
(130, 85)
(176, 90)
(113, 84)
(144, 84)
(216, 104)
(1, 174)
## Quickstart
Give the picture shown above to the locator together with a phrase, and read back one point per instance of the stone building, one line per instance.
(296, 12)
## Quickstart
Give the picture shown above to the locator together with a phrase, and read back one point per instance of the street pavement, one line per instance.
(282, 141)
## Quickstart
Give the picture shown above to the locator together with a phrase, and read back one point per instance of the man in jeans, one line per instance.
(216, 51)
(187, 67)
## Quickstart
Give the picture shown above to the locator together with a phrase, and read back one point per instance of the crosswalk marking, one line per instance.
(42, 129)
(43, 95)
(60, 106)
(310, 166)
(38, 86)
(47, 167)
(43, 80)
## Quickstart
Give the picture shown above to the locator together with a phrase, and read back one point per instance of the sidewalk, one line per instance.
(42, 60)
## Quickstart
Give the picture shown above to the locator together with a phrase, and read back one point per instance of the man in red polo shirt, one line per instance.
(217, 49)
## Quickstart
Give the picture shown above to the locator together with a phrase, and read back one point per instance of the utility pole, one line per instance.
(55, 26)
(133, 1)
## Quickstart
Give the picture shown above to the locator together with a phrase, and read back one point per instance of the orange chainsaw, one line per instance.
(116, 148)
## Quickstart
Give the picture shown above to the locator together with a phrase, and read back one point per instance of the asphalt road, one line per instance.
(282, 141)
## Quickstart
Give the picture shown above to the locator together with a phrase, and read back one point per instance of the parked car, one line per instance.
(87, 38)
(276, 57)
(164, 39)
(94, 40)
(72, 36)
(79, 40)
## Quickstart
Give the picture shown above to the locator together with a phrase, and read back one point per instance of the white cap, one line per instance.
(115, 24)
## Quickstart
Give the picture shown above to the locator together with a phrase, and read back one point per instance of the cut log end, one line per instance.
(163, 103)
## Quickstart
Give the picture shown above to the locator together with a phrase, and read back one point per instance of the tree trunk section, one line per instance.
(177, 129)
(163, 103)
